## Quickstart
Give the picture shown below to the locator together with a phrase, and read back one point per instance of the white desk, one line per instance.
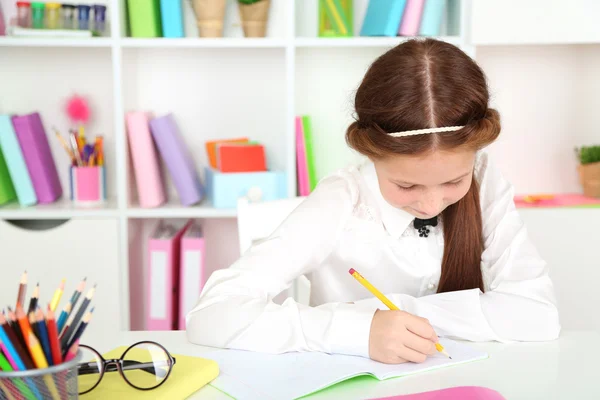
(568, 368)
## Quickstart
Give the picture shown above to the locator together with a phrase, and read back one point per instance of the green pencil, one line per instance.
(4, 364)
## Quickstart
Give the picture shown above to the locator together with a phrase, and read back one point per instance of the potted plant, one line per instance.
(589, 170)
(209, 17)
(254, 15)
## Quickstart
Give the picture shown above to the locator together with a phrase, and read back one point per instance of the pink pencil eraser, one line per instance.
(351, 271)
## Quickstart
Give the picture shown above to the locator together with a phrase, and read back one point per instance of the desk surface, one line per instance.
(568, 368)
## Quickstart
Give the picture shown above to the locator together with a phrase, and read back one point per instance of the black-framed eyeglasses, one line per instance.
(144, 366)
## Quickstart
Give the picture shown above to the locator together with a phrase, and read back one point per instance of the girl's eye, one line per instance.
(454, 183)
(405, 187)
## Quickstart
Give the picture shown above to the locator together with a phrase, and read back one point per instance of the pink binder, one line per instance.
(192, 273)
(148, 175)
(162, 298)
(301, 164)
(411, 19)
(38, 157)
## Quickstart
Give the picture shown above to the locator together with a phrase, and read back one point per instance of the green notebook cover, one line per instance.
(310, 154)
(7, 189)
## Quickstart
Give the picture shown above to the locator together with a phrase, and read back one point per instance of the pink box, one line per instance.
(88, 184)
(192, 271)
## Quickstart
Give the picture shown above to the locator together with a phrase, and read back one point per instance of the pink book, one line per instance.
(301, 164)
(411, 19)
(192, 271)
(454, 393)
(148, 175)
(162, 296)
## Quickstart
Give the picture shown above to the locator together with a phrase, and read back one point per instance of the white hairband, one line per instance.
(424, 131)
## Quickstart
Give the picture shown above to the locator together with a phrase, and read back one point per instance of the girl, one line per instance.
(428, 220)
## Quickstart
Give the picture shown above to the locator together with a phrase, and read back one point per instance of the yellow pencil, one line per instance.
(57, 295)
(386, 301)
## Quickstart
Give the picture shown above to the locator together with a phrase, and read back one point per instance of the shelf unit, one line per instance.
(214, 87)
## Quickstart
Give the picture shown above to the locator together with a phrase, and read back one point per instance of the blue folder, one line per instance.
(431, 21)
(383, 18)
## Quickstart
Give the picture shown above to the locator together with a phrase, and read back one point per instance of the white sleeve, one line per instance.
(519, 302)
(235, 309)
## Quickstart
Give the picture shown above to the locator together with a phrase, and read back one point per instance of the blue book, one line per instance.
(431, 21)
(15, 162)
(171, 18)
(383, 18)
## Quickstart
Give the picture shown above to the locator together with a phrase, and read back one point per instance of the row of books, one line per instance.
(305, 156)
(27, 169)
(175, 274)
(383, 18)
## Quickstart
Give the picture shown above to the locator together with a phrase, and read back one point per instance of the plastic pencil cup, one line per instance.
(58, 382)
(88, 185)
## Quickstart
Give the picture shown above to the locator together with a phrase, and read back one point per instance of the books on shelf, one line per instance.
(29, 165)
(336, 18)
(403, 18)
(305, 158)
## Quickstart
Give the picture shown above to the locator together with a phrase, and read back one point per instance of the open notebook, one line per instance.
(250, 376)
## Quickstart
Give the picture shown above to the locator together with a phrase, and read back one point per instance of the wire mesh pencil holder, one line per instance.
(58, 382)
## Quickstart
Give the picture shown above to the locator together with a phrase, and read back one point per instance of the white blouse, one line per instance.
(346, 223)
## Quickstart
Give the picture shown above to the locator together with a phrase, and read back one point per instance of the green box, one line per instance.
(144, 18)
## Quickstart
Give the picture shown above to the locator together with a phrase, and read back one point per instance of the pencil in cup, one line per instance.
(386, 301)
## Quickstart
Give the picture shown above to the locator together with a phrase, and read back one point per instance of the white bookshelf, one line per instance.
(216, 88)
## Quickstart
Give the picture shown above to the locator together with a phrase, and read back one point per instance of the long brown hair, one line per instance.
(426, 84)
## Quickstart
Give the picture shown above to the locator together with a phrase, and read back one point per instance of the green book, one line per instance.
(310, 153)
(7, 189)
(336, 18)
(144, 18)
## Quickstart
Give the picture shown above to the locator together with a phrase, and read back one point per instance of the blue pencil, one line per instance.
(9, 345)
(44, 338)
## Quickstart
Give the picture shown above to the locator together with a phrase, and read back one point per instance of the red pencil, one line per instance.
(53, 336)
(72, 351)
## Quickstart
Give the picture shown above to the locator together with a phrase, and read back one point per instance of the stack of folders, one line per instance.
(175, 274)
(27, 170)
(403, 18)
(150, 137)
(305, 156)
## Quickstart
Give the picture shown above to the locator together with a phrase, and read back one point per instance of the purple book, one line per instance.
(38, 157)
(177, 158)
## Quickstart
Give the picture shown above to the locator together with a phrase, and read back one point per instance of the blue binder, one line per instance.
(16, 162)
(383, 18)
(172, 18)
(431, 21)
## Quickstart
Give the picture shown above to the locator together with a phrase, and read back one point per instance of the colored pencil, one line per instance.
(33, 344)
(53, 337)
(22, 289)
(78, 292)
(5, 365)
(386, 301)
(57, 295)
(7, 390)
(41, 322)
(34, 299)
(80, 329)
(12, 320)
(72, 352)
(8, 353)
(75, 318)
(62, 319)
(13, 345)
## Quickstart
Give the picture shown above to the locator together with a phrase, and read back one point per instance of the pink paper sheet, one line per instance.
(559, 200)
(455, 393)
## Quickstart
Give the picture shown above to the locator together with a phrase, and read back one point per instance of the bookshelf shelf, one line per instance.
(202, 43)
(173, 210)
(62, 209)
(362, 41)
(54, 42)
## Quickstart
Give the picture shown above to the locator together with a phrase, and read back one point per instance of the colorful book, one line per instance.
(144, 18)
(162, 294)
(241, 157)
(171, 14)
(192, 271)
(433, 14)
(331, 11)
(178, 159)
(411, 19)
(211, 148)
(7, 189)
(301, 163)
(38, 157)
(383, 18)
(310, 154)
(147, 172)
(15, 162)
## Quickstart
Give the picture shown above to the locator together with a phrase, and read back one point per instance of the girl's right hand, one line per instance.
(397, 337)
